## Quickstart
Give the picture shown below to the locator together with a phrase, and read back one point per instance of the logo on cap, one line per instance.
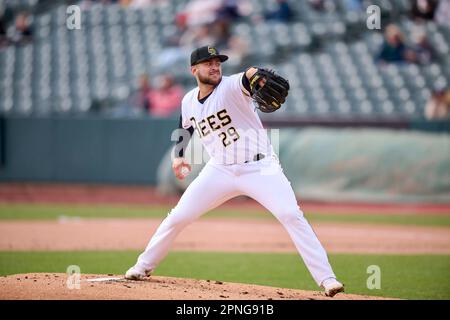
(212, 51)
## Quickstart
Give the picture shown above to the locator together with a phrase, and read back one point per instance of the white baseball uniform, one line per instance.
(232, 134)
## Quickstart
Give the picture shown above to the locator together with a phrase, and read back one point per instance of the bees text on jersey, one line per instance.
(227, 122)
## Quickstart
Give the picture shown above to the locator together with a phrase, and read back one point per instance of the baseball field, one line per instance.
(238, 251)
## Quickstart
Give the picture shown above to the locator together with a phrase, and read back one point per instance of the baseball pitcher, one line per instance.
(242, 161)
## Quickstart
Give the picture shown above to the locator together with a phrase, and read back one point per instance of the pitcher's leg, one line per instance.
(210, 189)
(275, 193)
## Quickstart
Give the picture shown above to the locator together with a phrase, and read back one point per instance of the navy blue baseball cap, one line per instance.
(206, 53)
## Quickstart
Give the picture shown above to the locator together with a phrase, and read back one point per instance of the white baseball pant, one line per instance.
(263, 181)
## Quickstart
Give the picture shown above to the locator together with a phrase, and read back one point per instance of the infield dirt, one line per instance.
(222, 235)
(53, 286)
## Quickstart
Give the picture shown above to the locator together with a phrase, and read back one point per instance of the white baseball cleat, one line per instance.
(332, 287)
(137, 273)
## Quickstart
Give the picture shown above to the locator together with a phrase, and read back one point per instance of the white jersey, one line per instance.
(227, 122)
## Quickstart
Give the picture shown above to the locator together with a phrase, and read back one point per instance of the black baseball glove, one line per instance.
(272, 94)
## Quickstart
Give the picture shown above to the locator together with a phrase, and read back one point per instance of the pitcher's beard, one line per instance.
(207, 80)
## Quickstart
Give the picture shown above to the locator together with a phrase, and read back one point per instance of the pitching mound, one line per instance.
(51, 286)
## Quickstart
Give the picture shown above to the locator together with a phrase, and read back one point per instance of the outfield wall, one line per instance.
(92, 150)
(322, 163)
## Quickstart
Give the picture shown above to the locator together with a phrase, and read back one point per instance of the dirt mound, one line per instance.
(51, 286)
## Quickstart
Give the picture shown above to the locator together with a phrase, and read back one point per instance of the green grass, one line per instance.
(52, 211)
(397, 219)
(403, 276)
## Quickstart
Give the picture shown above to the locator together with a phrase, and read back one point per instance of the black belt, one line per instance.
(257, 157)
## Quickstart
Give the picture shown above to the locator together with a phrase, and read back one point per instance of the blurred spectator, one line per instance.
(166, 98)
(145, 3)
(181, 26)
(179, 48)
(200, 12)
(229, 10)
(237, 50)
(221, 33)
(438, 107)
(424, 9)
(205, 22)
(283, 13)
(136, 104)
(21, 31)
(424, 52)
(125, 3)
(442, 14)
(322, 5)
(139, 98)
(197, 37)
(318, 5)
(394, 48)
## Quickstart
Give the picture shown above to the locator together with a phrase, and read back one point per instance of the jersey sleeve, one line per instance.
(185, 123)
(237, 84)
(184, 119)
